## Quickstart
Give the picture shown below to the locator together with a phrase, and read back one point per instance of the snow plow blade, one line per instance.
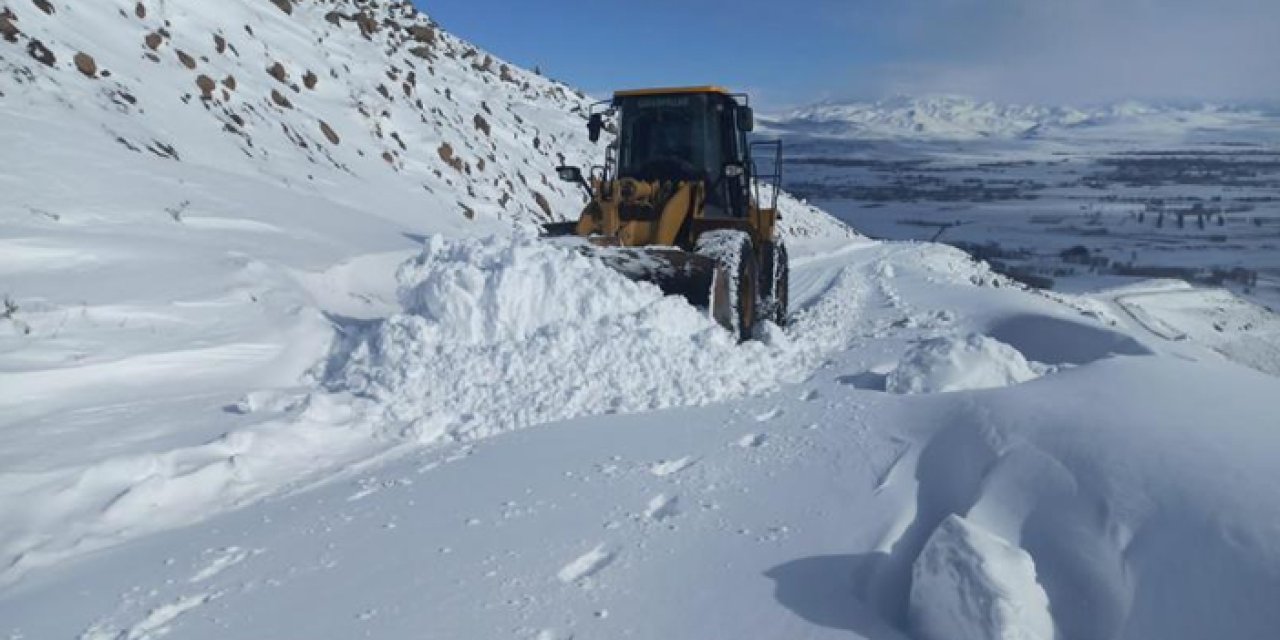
(675, 271)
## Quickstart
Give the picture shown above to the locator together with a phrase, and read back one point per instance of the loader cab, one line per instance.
(692, 134)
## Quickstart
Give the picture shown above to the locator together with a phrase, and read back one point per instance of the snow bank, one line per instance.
(508, 331)
(1126, 491)
(476, 291)
(958, 363)
(968, 584)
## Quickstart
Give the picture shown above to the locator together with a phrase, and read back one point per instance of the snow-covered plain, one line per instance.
(270, 389)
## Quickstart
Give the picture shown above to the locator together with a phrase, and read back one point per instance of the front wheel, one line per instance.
(735, 286)
(775, 276)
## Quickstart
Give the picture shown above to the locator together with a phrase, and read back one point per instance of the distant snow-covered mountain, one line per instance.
(961, 118)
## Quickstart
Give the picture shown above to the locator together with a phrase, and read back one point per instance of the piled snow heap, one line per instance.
(504, 332)
(959, 363)
(971, 585)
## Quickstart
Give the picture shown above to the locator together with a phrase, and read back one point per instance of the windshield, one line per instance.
(670, 136)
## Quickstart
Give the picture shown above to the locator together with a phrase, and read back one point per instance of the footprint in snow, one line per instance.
(552, 634)
(671, 467)
(769, 415)
(586, 565)
(810, 395)
(752, 440)
(222, 560)
(662, 507)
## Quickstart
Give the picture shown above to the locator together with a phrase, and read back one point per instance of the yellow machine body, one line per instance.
(681, 168)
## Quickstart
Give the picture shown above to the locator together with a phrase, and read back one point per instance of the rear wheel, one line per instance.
(775, 278)
(735, 287)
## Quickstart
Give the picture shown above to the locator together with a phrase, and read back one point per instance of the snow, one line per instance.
(586, 565)
(953, 363)
(271, 379)
(970, 585)
(960, 118)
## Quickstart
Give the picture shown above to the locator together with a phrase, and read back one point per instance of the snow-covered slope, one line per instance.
(960, 118)
(365, 104)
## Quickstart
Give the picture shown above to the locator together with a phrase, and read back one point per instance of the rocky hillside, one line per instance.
(363, 102)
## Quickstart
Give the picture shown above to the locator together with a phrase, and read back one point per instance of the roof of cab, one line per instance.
(670, 90)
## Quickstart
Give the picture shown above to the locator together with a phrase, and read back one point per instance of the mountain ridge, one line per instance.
(962, 117)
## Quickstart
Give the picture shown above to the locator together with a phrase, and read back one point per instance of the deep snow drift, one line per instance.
(504, 332)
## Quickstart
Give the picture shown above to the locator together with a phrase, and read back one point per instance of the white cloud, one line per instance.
(1085, 50)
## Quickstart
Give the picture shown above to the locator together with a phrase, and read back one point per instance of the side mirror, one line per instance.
(746, 119)
(570, 174)
(594, 124)
(574, 175)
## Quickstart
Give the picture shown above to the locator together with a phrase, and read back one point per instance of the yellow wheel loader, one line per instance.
(677, 203)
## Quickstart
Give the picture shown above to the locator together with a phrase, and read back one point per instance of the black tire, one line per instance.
(735, 289)
(775, 276)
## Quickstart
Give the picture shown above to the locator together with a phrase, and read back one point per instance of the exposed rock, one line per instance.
(41, 53)
(421, 52)
(86, 64)
(425, 34)
(154, 40)
(220, 43)
(482, 124)
(541, 200)
(280, 100)
(141, 11)
(329, 133)
(44, 6)
(309, 80)
(186, 60)
(334, 18)
(8, 29)
(446, 154)
(277, 71)
(284, 5)
(505, 74)
(229, 82)
(207, 86)
(367, 23)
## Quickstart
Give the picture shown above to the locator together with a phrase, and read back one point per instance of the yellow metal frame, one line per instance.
(670, 90)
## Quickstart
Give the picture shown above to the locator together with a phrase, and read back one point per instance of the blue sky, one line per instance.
(792, 52)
